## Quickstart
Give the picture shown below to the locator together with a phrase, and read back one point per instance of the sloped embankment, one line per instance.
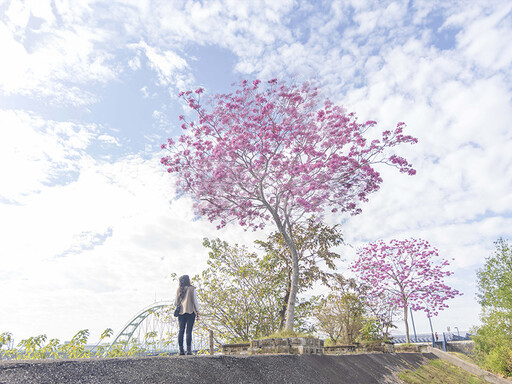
(297, 369)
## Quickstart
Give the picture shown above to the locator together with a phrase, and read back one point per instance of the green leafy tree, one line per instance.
(493, 343)
(117, 350)
(238, 301)
(37, 347)
(314, 243)
(76, 347)
(32, 348)
(275, 154)
(341, 314)
(51, 349)
(371, 330)
(241, 294)
(99, 350)
(493, 340)
(495, 279)
(381, 310)
(126, 349)
(149, 340)
(6, 341)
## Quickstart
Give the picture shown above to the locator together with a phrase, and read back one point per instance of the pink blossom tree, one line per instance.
(277, 153)
(406, 273)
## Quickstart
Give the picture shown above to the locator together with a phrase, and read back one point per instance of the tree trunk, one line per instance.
(282, 311)
(407, 339)
(287, 233)
(290, 311)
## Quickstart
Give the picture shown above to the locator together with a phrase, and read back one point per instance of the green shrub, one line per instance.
(371, 332)
(493, 348)
(493, 340)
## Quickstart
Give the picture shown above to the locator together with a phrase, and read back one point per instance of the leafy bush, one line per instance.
(493, 349)
(37, 347)
(493, 340)
(370, 332)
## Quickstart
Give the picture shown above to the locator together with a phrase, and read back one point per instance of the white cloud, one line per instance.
(134, 63)
(484, 35)
(144, 91)
(104, 244)
(391, 16)
(35, 152)
(161, 122)
(108, 139)
(50, 61)
(169, 66)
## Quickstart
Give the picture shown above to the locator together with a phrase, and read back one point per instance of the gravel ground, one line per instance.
(296, 369)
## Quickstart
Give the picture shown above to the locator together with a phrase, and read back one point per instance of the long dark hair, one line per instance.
(184, 283)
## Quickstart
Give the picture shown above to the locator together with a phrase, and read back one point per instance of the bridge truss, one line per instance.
(154, 330)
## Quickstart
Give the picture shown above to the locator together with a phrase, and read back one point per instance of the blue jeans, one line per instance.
(186, 321)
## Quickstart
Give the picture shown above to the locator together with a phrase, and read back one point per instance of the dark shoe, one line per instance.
(189, 352)
(182, 352)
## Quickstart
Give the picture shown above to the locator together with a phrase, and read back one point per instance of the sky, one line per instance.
(91, 227)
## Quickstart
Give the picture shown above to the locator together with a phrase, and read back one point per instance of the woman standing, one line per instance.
(186, 295)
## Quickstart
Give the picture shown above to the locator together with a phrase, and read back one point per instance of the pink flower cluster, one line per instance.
(272, 151)
(405, 272)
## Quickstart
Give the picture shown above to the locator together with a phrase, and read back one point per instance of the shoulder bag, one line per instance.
(178, 308)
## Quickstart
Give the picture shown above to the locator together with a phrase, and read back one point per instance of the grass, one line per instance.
(440, 372)
(464, 357)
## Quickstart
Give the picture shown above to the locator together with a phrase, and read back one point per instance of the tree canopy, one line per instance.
(241, 293)
(493, 340)
(406, 272)
(341, 313)
(314, 243)
(276, 152)
(495, 279)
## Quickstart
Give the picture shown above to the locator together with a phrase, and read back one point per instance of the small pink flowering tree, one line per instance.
(271, 152)
(405, 272)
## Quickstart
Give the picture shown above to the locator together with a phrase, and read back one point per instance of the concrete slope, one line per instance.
(296, 369)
